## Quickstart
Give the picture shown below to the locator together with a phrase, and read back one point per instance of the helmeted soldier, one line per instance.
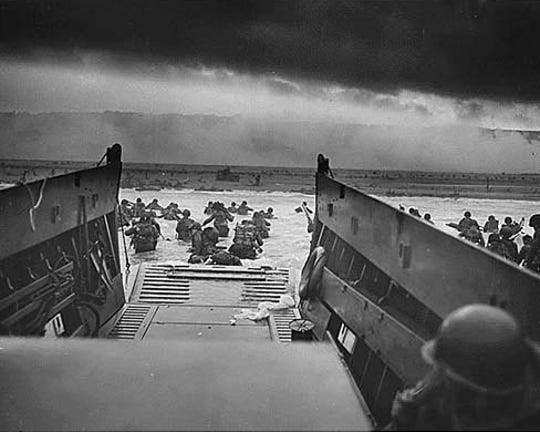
(243, 209)
(221, 216)
(125, 213)
(261, 223)
(482, 376)
(491, 225)
(513, 226)
(144, 234)
(532, 260)
(511, 249)
(467, 222)
(154, 205)
(183, 225)
(232, 208)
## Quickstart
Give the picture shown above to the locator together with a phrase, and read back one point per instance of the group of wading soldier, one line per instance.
(501, 241)
(247, 239)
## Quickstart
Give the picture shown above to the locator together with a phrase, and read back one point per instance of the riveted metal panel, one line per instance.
(43, 209)
(441, 271)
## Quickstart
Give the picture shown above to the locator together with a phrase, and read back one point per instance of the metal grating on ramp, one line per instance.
(130, 322)
(222, 272)
(274, 285)
(201, 284)
(170, 300)
(279, 322)
(263, 291)
(158, 287)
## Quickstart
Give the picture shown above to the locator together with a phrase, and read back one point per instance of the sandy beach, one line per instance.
(301, 180)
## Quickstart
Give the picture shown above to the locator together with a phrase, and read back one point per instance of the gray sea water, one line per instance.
(288, 244)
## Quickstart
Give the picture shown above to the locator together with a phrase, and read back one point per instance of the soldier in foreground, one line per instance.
(483, 374)
(246, 242)
(144, 234)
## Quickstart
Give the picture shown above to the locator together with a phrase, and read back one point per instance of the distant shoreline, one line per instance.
(369, 191)
(297, 180)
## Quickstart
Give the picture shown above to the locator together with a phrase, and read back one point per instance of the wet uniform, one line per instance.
(138, 209)
(243, 210)
(220, 218)
(532, 260)
(497, 247)
(510, 249)
(182, 228)
(154, 206)
(246, 242)
(204, 245)
(225, 258)
(491, 226)
(171, 213)
(262, 225)
(524, 251)
(472, 234)
(513, 227)
(466, 223)
(145, 236)
(125, 214)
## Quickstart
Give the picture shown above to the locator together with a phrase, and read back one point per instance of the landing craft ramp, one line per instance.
(191, 302)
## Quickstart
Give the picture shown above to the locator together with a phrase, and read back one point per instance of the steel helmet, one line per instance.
(493, 238)
(211, 234)
(534, 220)
(482, 347)
(506, 232)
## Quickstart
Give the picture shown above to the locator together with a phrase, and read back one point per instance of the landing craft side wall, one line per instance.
(441, 271)
(60, 207)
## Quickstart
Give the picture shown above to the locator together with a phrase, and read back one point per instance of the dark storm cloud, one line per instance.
(461, 48)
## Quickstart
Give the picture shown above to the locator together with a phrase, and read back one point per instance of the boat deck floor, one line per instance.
(190, 302)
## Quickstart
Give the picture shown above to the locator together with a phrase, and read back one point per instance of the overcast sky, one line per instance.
(408, 62)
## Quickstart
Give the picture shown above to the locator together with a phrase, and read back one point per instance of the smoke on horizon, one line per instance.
(397, 85)
(237, 140)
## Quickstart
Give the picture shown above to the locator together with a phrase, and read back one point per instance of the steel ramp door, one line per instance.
(191, 302)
